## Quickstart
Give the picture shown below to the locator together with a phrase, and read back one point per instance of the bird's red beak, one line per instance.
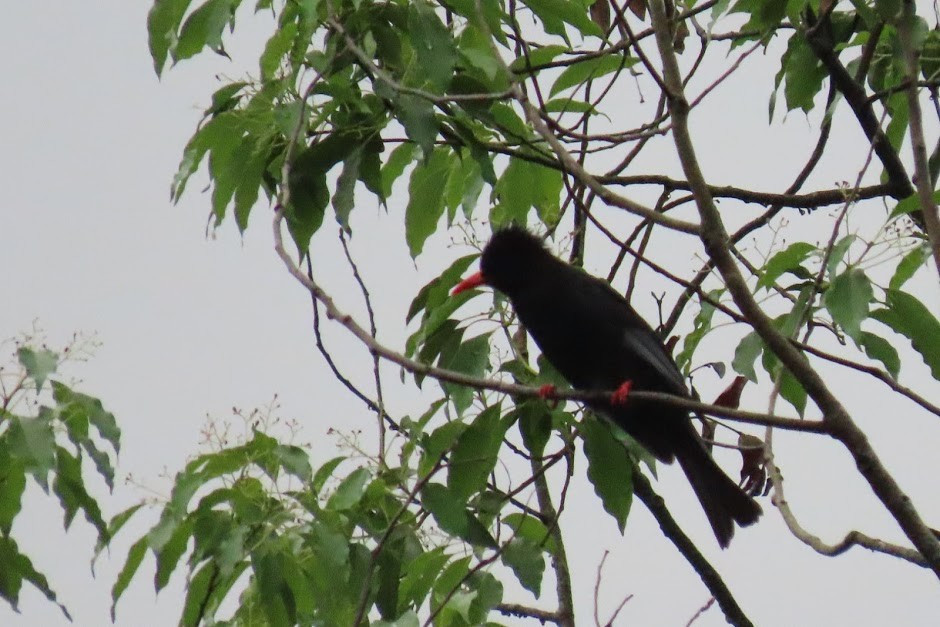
(472, 281)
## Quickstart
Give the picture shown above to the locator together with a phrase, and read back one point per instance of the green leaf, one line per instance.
(848, 299)
(395, 166)
(536, 56)
(417, 116)
(32, 442)
(838, 253)
(527, 563)
(135, 555)
(203, 28)
(535, 425)
(804, 74)
(792, 391)
(433, 44)
(474, 456)
(162, 22)
(554, 12)
(12, 485)
(426, 199)
(590, 69)
(471, 358)
(70, 488)
(38, 364)
(531, 529)
(294, 460)
(747, 352)
(784, 261)
(909, 264)
(437, 291)
(524, 185)
(878, 348)
(278, 45)
(350, 490)
(701, 326)
(451, 515)
(324, 472)
(909, 317)
(18, 568)
(170, 552)
(72, 403)
(419, 576)
(344, 199)
(198, 589)
(609, 469)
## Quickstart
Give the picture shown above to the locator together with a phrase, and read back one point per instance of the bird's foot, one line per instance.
(547, 393)
(619, 397)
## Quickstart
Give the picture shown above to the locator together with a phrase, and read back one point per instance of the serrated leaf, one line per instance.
(17, 568)
(426, 200)
(527, 563)
(69, 486)
(584, 71)
(163, 20)
(12, 485)
(39, 364)
(169, 554)
(848, 299)
(135, 555)
(475, 453)
(609, 469)
(909, 317)
(198, 589)
(274, 50)
(878, 348)
(32, 442)
(909, 264)
(203, 28)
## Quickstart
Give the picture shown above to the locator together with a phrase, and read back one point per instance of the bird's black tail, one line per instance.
(723, 501)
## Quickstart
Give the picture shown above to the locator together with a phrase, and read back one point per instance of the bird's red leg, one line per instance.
(547, 393)
(619, 397)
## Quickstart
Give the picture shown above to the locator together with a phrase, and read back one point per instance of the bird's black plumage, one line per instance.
(597, 341)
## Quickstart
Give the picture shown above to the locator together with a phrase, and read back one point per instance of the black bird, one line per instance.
(597, 341)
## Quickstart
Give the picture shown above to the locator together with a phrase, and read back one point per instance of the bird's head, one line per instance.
(512, 259)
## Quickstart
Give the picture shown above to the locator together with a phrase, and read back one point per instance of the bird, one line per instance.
(596, 340)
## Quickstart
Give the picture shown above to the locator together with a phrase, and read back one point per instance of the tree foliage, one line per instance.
(539, 112)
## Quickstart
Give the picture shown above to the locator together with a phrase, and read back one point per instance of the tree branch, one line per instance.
(716, 241)
(671, 529)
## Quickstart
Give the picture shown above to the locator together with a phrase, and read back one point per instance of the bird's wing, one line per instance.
(638, 338)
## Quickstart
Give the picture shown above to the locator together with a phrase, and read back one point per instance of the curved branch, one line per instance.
(715, 239)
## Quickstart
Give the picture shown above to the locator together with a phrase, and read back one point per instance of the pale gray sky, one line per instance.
(192, 325)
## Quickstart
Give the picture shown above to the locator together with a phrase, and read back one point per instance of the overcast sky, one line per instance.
(192, 325)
